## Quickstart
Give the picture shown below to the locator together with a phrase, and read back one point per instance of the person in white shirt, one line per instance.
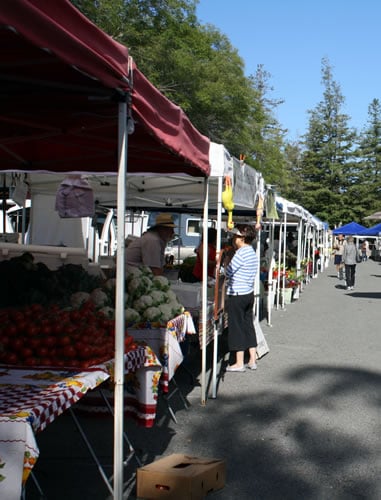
(148, 250)
(240, 275)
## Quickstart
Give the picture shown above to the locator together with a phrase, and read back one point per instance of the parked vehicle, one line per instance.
(187, 237)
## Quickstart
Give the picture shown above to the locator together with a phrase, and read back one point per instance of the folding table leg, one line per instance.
(125, 437)
(37, 485)
(170, 395)
(92, 452)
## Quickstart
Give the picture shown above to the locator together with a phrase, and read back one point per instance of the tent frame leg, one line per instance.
(132, 454)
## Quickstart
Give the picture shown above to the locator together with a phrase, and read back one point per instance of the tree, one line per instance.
(267, 154)
(367, 185)
(328, 159)
(197, 68)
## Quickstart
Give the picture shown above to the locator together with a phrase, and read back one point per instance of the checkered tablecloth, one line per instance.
(30, 399)
(165, 343)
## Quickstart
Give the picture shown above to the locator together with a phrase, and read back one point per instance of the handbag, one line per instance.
(262, 347)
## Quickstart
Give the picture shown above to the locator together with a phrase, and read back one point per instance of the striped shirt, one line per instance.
(241, 271)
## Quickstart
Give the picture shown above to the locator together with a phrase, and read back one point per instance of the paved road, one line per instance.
(305, 425)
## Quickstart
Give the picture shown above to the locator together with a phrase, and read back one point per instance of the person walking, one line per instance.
(240, 275)
(349, 259)
(338, 255)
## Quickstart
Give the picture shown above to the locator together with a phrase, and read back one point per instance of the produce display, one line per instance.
(49, 336)
(66, 318)
(149, 299)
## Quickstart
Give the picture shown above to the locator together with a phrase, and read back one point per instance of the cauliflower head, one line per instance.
(142, 303)
(133, 272)
(161, 283)
(139, 286)
(166, 312)
(146, 271)
(171, 296)
(176, 308)
(132, 316)
(158, 297)
(152, 314)
(99, 297)
(109, 312)
(77, 299)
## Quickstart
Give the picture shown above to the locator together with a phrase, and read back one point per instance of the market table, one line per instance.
(30, 399)
(165, 342)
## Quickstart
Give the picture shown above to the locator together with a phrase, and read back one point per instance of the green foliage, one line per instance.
(331, 172)
(328, 154)
(197, 68)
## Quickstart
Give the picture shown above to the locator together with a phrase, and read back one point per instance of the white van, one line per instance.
(187, 236)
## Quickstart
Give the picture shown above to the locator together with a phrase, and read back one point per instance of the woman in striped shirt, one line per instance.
(240, 274)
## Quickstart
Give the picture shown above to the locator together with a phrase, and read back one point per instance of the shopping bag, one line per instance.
(262, 347)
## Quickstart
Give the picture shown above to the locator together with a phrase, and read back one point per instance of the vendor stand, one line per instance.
(82, 80)
(31, 399)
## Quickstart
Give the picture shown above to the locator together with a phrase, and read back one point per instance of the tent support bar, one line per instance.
(119, 305)
(204, 289)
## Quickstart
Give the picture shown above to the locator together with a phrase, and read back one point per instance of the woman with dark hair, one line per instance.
(240, 275)
(197, 270)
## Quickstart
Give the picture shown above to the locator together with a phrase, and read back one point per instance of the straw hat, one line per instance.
(165, 220)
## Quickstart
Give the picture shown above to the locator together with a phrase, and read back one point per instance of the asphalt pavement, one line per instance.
(305, 425)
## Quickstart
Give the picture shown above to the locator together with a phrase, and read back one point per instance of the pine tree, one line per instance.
(328, 157)
(367, 187)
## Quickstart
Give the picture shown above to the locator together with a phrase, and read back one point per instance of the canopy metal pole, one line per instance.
(284, 257)
(119, 305)
(204, 290)
(278, 263)
(270, 289)
(217, 324)
(299, 250)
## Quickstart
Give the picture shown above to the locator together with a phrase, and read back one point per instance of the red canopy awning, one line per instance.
(61, 80)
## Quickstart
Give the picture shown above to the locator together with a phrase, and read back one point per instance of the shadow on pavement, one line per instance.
(283, 441)
(365, 295)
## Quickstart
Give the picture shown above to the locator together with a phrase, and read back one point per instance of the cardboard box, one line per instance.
(180, 476)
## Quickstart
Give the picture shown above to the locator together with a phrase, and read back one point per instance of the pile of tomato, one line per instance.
(49, 336)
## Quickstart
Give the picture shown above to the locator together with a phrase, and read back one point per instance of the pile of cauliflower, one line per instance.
(148, 298)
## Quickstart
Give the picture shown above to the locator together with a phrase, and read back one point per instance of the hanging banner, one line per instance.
(245, 184)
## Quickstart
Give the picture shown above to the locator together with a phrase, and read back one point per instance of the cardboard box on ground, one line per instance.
(180, 476)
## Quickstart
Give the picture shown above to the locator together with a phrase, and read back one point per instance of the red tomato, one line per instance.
(4, 340)
(36, 308)
(11, 358)
(45, 329)
(128, 341)
(35, 342)
(69, 352)
(30, 361)
(42, 352)
(17, 343)
(63, 341)
(32, 330)
(75, 316)
(49, 341)
(11, 329)
(46, 362)
(57, 328)
(21, 325)
(26, 352)
(58, 362)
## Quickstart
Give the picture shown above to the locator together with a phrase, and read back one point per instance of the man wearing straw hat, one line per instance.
(148, 250)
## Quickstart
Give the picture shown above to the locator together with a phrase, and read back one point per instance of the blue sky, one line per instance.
(290, 38)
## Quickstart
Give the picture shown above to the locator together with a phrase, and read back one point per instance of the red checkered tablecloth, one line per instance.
(30, 399)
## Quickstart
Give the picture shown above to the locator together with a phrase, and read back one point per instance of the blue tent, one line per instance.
(372, 231)
(349, 229)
